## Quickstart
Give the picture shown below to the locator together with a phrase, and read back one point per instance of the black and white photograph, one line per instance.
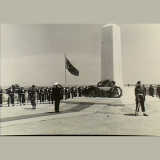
(80, 79)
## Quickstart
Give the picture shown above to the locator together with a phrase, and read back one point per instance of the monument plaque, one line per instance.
(111, 65)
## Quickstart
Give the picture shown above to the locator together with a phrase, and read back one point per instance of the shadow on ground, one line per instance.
(129, 114)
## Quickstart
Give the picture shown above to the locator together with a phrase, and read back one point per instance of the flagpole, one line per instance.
(65, 70)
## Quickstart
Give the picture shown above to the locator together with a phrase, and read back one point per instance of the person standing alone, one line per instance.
(57, 95)
(140, 98)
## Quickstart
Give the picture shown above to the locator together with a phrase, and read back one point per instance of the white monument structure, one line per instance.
(111, 64)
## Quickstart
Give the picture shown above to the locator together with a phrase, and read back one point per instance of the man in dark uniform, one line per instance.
(0, 97)
(57, 94)
(50, 95)
(33, 97)
(38, 94)
(140, 98)
(22, 96)
(80, 91)
(67, 93)
(151, 91)
(11, 96)
(73, 92)
(158, 91)
(145, 90)
(29, 94)
(42, 94)
(46, 94)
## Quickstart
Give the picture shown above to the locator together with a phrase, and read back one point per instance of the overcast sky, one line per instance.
(34, 54)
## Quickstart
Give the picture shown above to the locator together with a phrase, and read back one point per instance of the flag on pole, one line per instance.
(71, 68)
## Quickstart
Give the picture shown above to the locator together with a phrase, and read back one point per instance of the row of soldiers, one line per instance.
(43, 94)
(151, 90)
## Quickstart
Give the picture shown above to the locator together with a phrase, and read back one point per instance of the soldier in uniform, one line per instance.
(80, 91)
(29, 94)
(22, 95)
(47, 94)
(38, 94)
(33, 97)
(42, 94)
(0, 97)
(57, 94)
(151, 91)
(140, 98)
(145, 90)
(158, 91)
(85, 92)
(67, 93)
(50, 96)
(73, 92)
(10, 96)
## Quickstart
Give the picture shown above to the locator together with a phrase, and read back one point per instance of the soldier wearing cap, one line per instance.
(151, 91)
(11, 96)
(0, 97)
(73, 92)
(33, 97)
(80, 91)
(29, 94)
(47, 94)
(57, 94)
(50, 96)
(67, 93)
(21, 93)
(140, 98)
(38, 94)
(158, 91)
(42, 95)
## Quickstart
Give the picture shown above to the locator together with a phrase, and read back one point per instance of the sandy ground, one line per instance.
(95, 120)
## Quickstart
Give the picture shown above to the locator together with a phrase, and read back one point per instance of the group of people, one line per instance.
(57, 93)
(41, 94)
(140, 93)
(151, 90)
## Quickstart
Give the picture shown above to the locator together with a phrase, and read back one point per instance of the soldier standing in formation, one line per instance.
(145, 90)
(140, 98)
(67, 93)
(151, 91)
(38, 94)
(0, 97)
(46, 94)
(22, 96)
(42, 94)
(158, 91)
(73, 92)
(33, 97)
(50, 96)
(11, 96)
(29, 94)
(80, 91)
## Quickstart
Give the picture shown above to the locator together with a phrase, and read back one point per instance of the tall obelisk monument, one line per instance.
(111, 63)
